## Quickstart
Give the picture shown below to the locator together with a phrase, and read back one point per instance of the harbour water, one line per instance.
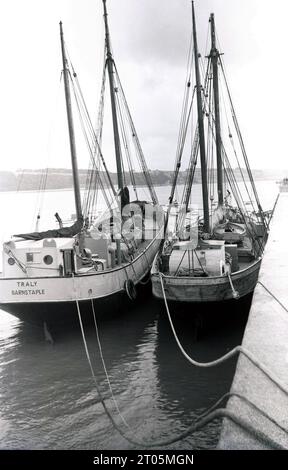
(49, 400)
(47, 394)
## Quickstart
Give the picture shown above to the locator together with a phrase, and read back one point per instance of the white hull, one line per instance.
(23, 294)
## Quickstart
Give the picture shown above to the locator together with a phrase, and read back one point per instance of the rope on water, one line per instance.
(203, 420)
(105, 368)
(230, 354)
(101, 399)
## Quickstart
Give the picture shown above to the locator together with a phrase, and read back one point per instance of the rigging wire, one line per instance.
(194, 154)
(91, 138)
(126, 146)
(40, 194)
(233, 146)
(138, 148)
(243, 148)
(99, 133)
(89, 124)
(235, 188)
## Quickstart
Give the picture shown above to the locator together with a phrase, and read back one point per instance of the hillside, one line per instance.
(61, 178)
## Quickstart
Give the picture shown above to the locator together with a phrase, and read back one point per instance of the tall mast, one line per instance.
(77, 194)
(201, 129)
(110, 64)
(214, 55)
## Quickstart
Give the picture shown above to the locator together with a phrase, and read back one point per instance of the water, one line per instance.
(49, 400)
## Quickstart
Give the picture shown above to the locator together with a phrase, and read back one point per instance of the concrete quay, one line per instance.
(266, 337)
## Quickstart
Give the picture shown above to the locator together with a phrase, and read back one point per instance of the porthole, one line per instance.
(11, 261)
(48, 259)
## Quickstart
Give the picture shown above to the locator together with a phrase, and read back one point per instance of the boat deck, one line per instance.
(179, 260)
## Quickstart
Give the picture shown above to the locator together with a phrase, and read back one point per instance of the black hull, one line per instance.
(64, 313)
(208, 313)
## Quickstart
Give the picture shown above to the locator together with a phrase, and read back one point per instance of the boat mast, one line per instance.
(77, 194)
(201, 129)
(214, 56)
(110, 64)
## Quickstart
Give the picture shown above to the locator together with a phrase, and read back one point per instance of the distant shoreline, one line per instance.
(61, 179)
(52, 190)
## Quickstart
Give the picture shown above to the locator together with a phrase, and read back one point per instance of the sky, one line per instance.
(150, 41)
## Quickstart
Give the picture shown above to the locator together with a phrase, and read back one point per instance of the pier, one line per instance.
(266, 337)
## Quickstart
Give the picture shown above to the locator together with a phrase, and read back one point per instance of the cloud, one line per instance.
(150, 41)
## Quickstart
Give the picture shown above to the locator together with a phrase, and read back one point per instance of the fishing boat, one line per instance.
(50, 276)
(214, 252)
(283, 185)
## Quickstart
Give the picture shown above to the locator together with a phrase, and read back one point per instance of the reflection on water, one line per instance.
(47, 396)
(49, 400)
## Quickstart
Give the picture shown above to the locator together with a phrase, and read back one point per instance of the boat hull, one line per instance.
(56, 313)
(54, 299)
(205, 289)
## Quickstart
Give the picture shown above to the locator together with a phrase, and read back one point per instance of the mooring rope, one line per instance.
(235, 293)
(105, 368)
(273, 295)
(225, 357)
(203, 420)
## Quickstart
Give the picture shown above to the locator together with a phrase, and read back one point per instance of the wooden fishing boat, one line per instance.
(49, 276)
(217, 256)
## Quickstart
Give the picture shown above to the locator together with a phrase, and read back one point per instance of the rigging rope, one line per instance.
(233, 145)
(139, 151)
(238, 196)
(234, 117)
(194, 153)
(86, 118)
(126, 146)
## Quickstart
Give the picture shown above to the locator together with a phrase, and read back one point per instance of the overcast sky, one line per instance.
(150, 40)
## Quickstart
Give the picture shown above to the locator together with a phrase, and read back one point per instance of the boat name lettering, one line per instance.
(27, 283)
(28, 292)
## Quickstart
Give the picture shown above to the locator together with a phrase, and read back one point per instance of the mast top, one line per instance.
(76, 183)
(110, 66)
(201, 128)
(214, 50)
(214, 56)
(107, 34)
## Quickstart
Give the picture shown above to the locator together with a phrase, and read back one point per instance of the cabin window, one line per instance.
(11, 261)
(29, 257)
(48, 259)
